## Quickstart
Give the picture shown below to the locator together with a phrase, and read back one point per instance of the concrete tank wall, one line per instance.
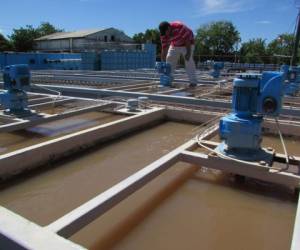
(38, 61)
(122, 60)
(104, 60)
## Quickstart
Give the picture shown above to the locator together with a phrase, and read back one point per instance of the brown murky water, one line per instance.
(48, 195)
(209, 212)
(292, 144)
(65, 107)
(24, 138)
(184, 208)
(190, 209)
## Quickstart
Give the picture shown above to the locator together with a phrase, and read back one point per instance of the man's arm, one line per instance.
(188, 50)
(164, 52)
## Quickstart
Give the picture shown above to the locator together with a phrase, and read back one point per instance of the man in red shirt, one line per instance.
(177, 39)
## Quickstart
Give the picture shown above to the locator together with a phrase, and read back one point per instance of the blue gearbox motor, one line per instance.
(16, 83)
(217, 67)
(164, 69)
(292, 80)
(254, 96)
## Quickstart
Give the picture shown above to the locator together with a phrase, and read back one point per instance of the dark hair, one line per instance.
(163, 27)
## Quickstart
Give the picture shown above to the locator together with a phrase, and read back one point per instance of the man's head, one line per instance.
(164, 27)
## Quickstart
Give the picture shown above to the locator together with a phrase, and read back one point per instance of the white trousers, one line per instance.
(173, 57)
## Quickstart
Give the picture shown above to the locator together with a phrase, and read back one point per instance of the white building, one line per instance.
(84, 40)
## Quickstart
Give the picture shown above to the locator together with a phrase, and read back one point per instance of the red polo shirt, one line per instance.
(180, 35)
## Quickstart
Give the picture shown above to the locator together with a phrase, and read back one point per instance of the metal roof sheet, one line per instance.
(66, 35)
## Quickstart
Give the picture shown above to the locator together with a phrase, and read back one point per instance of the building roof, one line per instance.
(66, 35)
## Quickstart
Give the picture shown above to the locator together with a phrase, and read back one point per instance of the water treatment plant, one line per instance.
(105, 146)
(110, 159)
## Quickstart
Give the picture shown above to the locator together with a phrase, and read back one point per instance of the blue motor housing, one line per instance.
(165, 80)
(271, 89)
(164, 69)
(14, 101)
(217, 67)
(245, 95)
(254, 96)
(16, 83)
(17, 77)
(241, 133)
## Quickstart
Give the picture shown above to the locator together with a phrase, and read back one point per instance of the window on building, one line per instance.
(105, 38)
(112, 38)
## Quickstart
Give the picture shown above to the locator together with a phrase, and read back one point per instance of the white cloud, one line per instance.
(263, 22)
(209, 7)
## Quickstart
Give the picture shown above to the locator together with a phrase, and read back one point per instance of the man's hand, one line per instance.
(164, 53)
(188, 54)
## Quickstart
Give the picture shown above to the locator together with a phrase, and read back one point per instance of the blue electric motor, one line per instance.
(16, 83)
(254, 96)
(292, 80)
(217, 67)
(164, 69)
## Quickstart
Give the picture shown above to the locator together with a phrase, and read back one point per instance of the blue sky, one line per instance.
(253, 18)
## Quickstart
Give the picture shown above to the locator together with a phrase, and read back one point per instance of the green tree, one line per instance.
(23, 39)
(254, 51)
(150, 35)
(46, 28)
(281, 48)
(217, 39)
(139, 37)
(5, 45)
